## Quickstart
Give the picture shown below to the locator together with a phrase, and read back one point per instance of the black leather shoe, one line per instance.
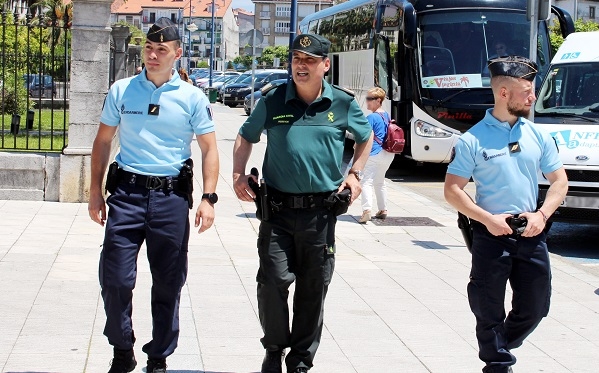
(301, 370)
(123, 361)
(156, 366)
(272, 362)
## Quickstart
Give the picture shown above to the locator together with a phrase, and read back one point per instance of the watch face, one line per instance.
(211, 197)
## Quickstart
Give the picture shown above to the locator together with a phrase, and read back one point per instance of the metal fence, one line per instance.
(34, 79)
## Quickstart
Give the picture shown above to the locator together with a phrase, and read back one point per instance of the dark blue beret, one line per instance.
(314, 45)
(515, 66)
(163, 30)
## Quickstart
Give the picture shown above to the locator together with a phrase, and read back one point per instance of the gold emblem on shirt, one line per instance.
(331, 116)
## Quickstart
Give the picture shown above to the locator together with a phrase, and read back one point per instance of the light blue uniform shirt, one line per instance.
(505, 182)
(156, 144)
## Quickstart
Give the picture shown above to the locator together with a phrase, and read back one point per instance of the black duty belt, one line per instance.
(148, 181)
(299, 201)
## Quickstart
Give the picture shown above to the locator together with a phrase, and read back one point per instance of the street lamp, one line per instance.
(191, 28)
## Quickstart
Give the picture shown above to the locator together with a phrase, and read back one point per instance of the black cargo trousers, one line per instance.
(295, 245)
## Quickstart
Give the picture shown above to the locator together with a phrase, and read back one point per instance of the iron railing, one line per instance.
(34, 79)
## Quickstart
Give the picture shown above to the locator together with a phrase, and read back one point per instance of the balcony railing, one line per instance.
(265, 15)
(282, 30)
(266, 30)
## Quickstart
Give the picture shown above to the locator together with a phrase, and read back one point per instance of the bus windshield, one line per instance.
(455, 46)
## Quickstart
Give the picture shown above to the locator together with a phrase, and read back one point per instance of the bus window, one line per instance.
(381, 63)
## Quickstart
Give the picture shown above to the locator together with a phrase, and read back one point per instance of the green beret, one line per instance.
(515, 66)
(163, 30)
(314, 45)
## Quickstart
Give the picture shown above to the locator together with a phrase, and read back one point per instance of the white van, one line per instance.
(568, 108)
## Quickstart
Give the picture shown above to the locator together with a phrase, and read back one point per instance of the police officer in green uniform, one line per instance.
(305, 121)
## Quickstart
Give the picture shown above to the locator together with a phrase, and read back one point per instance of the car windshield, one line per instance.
(570, 88)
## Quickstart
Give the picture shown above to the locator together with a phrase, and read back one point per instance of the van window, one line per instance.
(572, 88)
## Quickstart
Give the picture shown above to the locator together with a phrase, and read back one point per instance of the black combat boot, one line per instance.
(123, 361)
(272, 362)
(156, 366)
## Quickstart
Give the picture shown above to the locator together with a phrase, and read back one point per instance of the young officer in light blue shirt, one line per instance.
(503, 154)
(157, 115)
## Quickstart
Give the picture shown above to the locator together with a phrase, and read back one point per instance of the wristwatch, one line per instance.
(357, 173)
(211, 197)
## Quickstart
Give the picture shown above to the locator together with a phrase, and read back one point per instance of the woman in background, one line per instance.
(184, 76)
(379, 160)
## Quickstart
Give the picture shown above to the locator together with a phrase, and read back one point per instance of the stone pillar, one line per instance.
(120, 37)
(89, 84)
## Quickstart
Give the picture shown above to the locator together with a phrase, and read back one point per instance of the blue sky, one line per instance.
(245, 4)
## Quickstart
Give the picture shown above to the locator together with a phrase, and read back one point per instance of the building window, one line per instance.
(283, 11)
(152, 17)
(592, 12)
(281, 27)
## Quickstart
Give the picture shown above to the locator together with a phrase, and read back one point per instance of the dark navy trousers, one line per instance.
(524, 262)
(295, 245)
(159, 218)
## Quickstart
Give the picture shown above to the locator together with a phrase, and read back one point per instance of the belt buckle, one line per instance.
(298, 202)
(153, 183)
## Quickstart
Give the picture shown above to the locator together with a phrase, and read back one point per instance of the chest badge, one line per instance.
(514, 147)
(331, 116)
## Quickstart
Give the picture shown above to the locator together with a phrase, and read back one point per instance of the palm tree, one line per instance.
(57, 15)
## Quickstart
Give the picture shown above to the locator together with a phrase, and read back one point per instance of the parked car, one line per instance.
(214, 81)
(206, 78)
(40, 85)
(227, 79)
(247, 102)
(239, 79)
(234, 94)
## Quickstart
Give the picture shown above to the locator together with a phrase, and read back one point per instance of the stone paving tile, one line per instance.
(397, 302)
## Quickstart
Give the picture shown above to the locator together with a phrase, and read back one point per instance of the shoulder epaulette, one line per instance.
(351, 93)
(269, 87)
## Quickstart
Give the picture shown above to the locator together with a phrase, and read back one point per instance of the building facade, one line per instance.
(585, 10)
(272, 18)
(194, 18)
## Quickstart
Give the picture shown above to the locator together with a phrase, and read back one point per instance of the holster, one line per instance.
(338, 202)
(258, 200)
(185, 181)
(112, 178)
(465, 226)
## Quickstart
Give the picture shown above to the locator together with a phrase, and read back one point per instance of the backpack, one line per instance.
(394, 139)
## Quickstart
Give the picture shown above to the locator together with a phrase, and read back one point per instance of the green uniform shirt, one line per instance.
(305, 142)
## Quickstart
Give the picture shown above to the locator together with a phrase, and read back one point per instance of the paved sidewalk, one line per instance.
(397, 302)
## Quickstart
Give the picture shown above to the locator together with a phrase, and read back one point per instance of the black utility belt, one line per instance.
(167, 183)
(299, 201)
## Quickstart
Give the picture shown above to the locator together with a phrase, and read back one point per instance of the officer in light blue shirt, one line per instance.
(503, 154)
(150, 185)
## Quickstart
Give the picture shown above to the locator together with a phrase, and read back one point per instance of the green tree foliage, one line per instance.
(579, 26)
(135, 32)
(246, 61)
(13, 94)
(201, 64)
(269, 54)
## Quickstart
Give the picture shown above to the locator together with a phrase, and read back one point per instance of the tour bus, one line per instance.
(430, 57)
(568, 108)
